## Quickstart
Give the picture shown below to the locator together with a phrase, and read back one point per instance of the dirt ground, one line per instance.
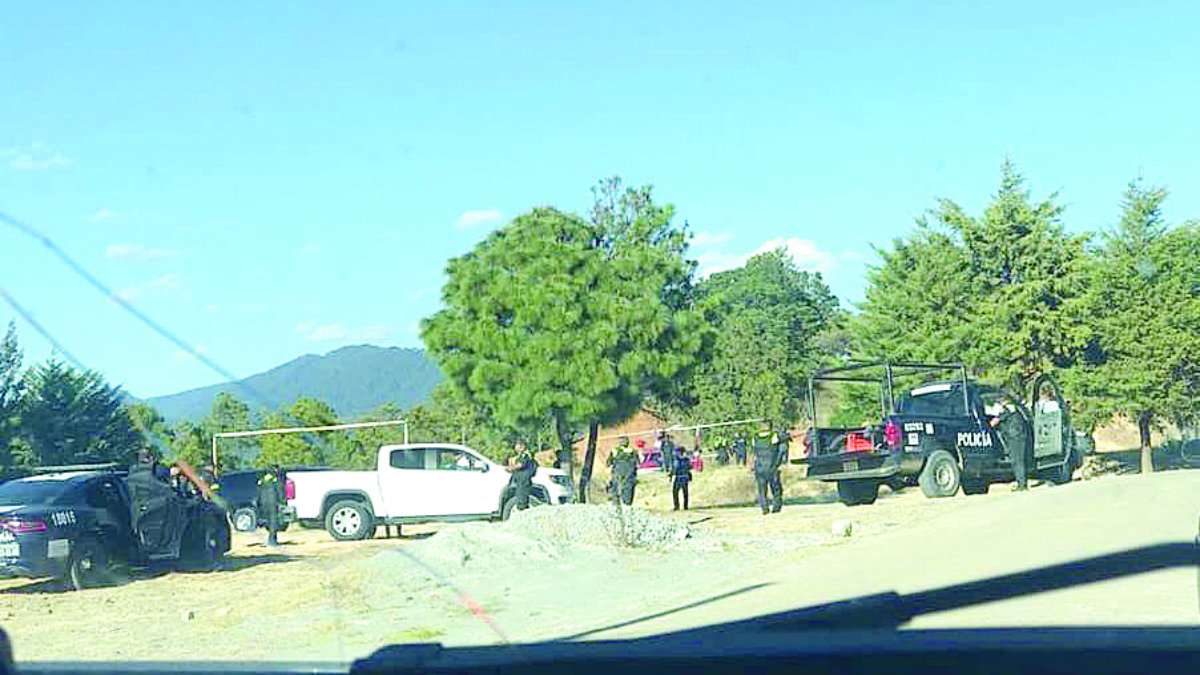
(479, 583)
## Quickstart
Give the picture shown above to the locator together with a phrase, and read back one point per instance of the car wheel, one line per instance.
(941, 476)
(858, 491)
(975, 487)
(349, 519)
(245, 519)
(88, 566)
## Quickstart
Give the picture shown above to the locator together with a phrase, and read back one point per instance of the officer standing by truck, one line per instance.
(767, 458)
(624, 462)
(522, 466)
(269, 499)
(1013, 432)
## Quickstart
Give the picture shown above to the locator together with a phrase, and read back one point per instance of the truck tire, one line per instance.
(858, 491)
(941, 475)
(88, 565)
(975, 487)
(245, 519)
(349, 519)
(1061, 475)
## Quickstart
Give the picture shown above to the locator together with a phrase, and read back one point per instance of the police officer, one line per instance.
(682, 476)
(722, 447)
(1013, 434)
(521, 467)
(739, 449)
(767, 458)
(269, 500)
(623, 462)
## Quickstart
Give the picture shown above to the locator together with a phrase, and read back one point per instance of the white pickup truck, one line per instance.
(414, 483)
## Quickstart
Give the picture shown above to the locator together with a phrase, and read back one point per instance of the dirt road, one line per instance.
(480, 583)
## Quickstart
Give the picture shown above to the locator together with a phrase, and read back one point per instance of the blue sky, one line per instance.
(271, 179)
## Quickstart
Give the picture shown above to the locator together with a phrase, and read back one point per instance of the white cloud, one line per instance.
(164, 284)
(34, 157)
(138, 252)
(480, 218)
(329, 332)
(710, 238)
(803, 252)
(101, 214)
(311, 330)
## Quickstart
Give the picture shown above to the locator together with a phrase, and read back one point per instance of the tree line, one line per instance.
(558, 324)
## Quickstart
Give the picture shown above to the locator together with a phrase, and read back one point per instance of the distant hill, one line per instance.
(352, 379)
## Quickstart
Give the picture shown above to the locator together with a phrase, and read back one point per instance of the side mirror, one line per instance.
(484, 468)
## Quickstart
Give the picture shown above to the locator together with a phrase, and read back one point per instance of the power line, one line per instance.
(124, 304)
(58, 347)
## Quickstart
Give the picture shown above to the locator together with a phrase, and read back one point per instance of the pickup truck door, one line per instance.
(438, 481)
(464, 483)
(400, 483)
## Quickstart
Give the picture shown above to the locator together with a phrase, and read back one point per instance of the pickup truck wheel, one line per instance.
(245, 519)
(349, 519)
(941, 476)
(88, 566)
(858, 491)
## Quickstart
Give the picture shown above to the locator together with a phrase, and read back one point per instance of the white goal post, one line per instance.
(298, 430)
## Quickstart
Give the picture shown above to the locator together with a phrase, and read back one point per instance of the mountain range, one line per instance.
(352, 380)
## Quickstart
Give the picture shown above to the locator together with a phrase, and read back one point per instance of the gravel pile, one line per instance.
(1095, 466)
(599, 525)
(483, 544)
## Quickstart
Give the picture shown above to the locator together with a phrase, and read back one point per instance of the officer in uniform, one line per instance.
(767, 458)
(681, 477)
(623, 462)
(739, 449)
(269, 500)
(521, 467)
(722, 447)
(1012, 429)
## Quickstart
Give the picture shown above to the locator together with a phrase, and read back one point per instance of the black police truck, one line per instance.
(80, 525)
(937, 434)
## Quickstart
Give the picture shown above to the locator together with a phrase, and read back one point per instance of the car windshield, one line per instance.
(481, 323)
(34, 492)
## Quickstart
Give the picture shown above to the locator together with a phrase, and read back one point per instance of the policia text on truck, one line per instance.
(941, 435)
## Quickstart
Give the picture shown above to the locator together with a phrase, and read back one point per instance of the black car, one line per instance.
(79, 525)
(938, 435)
(240, 492)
